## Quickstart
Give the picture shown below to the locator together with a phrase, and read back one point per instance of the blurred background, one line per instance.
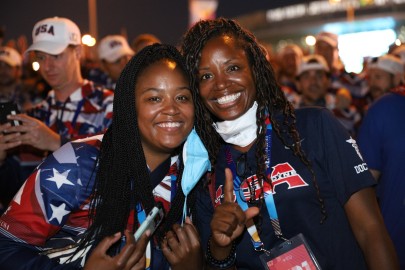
(366, 28)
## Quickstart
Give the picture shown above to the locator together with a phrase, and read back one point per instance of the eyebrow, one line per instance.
(207, 68)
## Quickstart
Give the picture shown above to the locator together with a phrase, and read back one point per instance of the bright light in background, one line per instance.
(35, 66)
(398, 42)
(88, 40)
(310, 40)
(354, 47)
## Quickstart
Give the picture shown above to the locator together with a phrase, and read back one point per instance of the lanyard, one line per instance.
(61, 128)
(268, 195)
(172, 176)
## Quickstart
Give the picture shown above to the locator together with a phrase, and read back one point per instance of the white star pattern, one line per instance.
(60, 178)
(58, 212)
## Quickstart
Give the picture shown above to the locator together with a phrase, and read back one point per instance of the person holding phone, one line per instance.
(74, 108)
(92, 194)
(293, 172)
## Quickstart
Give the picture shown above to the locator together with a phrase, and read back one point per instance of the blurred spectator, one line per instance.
(114, 53)
(73, 109)
(313, 82)
(11, 87)
(143, 40)
(381, 141)
(327, 46)
(383, 73)
(345, 112)
(290, 58)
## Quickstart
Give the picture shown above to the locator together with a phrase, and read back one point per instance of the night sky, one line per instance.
(167, 19)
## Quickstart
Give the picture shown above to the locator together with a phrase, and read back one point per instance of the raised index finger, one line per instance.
(228, 187)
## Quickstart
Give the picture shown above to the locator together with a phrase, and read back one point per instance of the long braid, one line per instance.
(122, 179)
(269, 96)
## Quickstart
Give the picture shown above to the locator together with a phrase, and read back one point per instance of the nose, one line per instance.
(170, 107)
(221, 81)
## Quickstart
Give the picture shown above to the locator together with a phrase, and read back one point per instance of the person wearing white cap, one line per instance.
(10, 75)
(383, 73)
(73, 109)
(327, 45)
(313, 82)
(114, 53)
(381, 141)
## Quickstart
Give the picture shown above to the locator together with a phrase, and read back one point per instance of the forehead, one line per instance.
(221, 45)
(378, 72)
(166, 68)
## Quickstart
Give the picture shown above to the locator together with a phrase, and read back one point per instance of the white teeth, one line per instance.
(169, 124)
(228, 98)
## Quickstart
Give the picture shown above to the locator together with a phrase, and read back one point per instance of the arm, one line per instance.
(20, 256)
(376, 174)
(34, 132)
(369, 229)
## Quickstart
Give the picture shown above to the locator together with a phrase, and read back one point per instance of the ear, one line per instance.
(78, 51)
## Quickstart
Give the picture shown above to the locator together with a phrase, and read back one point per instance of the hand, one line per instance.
(7, 141)
(131, 257)
(35, 133)
(228, 221)
(182, 248)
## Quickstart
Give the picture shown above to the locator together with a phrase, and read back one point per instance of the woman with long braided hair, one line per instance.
(280, 175)
(97, 191)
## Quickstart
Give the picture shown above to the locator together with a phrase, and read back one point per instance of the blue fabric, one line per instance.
(381, 140)
(334, 159)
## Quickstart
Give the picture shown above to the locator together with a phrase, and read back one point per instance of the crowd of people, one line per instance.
(269, 136)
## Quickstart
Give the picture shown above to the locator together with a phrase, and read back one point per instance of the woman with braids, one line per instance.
(93, 193)
(280, 176)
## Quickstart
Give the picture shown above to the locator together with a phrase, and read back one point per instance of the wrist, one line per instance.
(220, 257)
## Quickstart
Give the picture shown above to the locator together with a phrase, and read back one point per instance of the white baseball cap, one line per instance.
(312, 62)
(54, 35)
(388, 63)
(113, 47)
(328, 37)
(10, 56)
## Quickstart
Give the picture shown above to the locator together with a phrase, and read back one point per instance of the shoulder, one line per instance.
(74, 151)
(313, 114)
(89, 88)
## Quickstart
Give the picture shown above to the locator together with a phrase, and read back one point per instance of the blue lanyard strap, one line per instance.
(268, 195)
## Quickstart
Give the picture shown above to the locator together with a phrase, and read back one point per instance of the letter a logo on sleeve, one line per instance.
(285, 173)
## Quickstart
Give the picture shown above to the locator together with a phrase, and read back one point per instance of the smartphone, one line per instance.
(151, 222)
(7, 108)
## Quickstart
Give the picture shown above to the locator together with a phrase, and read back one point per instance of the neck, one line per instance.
(63, 93)
(154, 160)
(243, 149)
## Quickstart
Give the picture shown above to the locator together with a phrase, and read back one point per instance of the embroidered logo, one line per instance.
(355, 146)
(285, 173)
(44, 28)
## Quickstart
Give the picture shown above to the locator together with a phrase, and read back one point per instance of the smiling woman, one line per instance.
(116, 179)
(281, 175)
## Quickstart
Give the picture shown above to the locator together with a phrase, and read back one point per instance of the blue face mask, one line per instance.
(196, 163)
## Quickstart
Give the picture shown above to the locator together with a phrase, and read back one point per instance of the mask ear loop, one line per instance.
(196, 164)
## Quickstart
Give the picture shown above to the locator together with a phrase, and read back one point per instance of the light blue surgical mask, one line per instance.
(196, 163)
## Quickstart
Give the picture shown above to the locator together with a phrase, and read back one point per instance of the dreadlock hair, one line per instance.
(122, 180)
(269, 96)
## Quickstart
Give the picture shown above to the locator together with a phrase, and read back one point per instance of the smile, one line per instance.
(169, 124)
(228, 98)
